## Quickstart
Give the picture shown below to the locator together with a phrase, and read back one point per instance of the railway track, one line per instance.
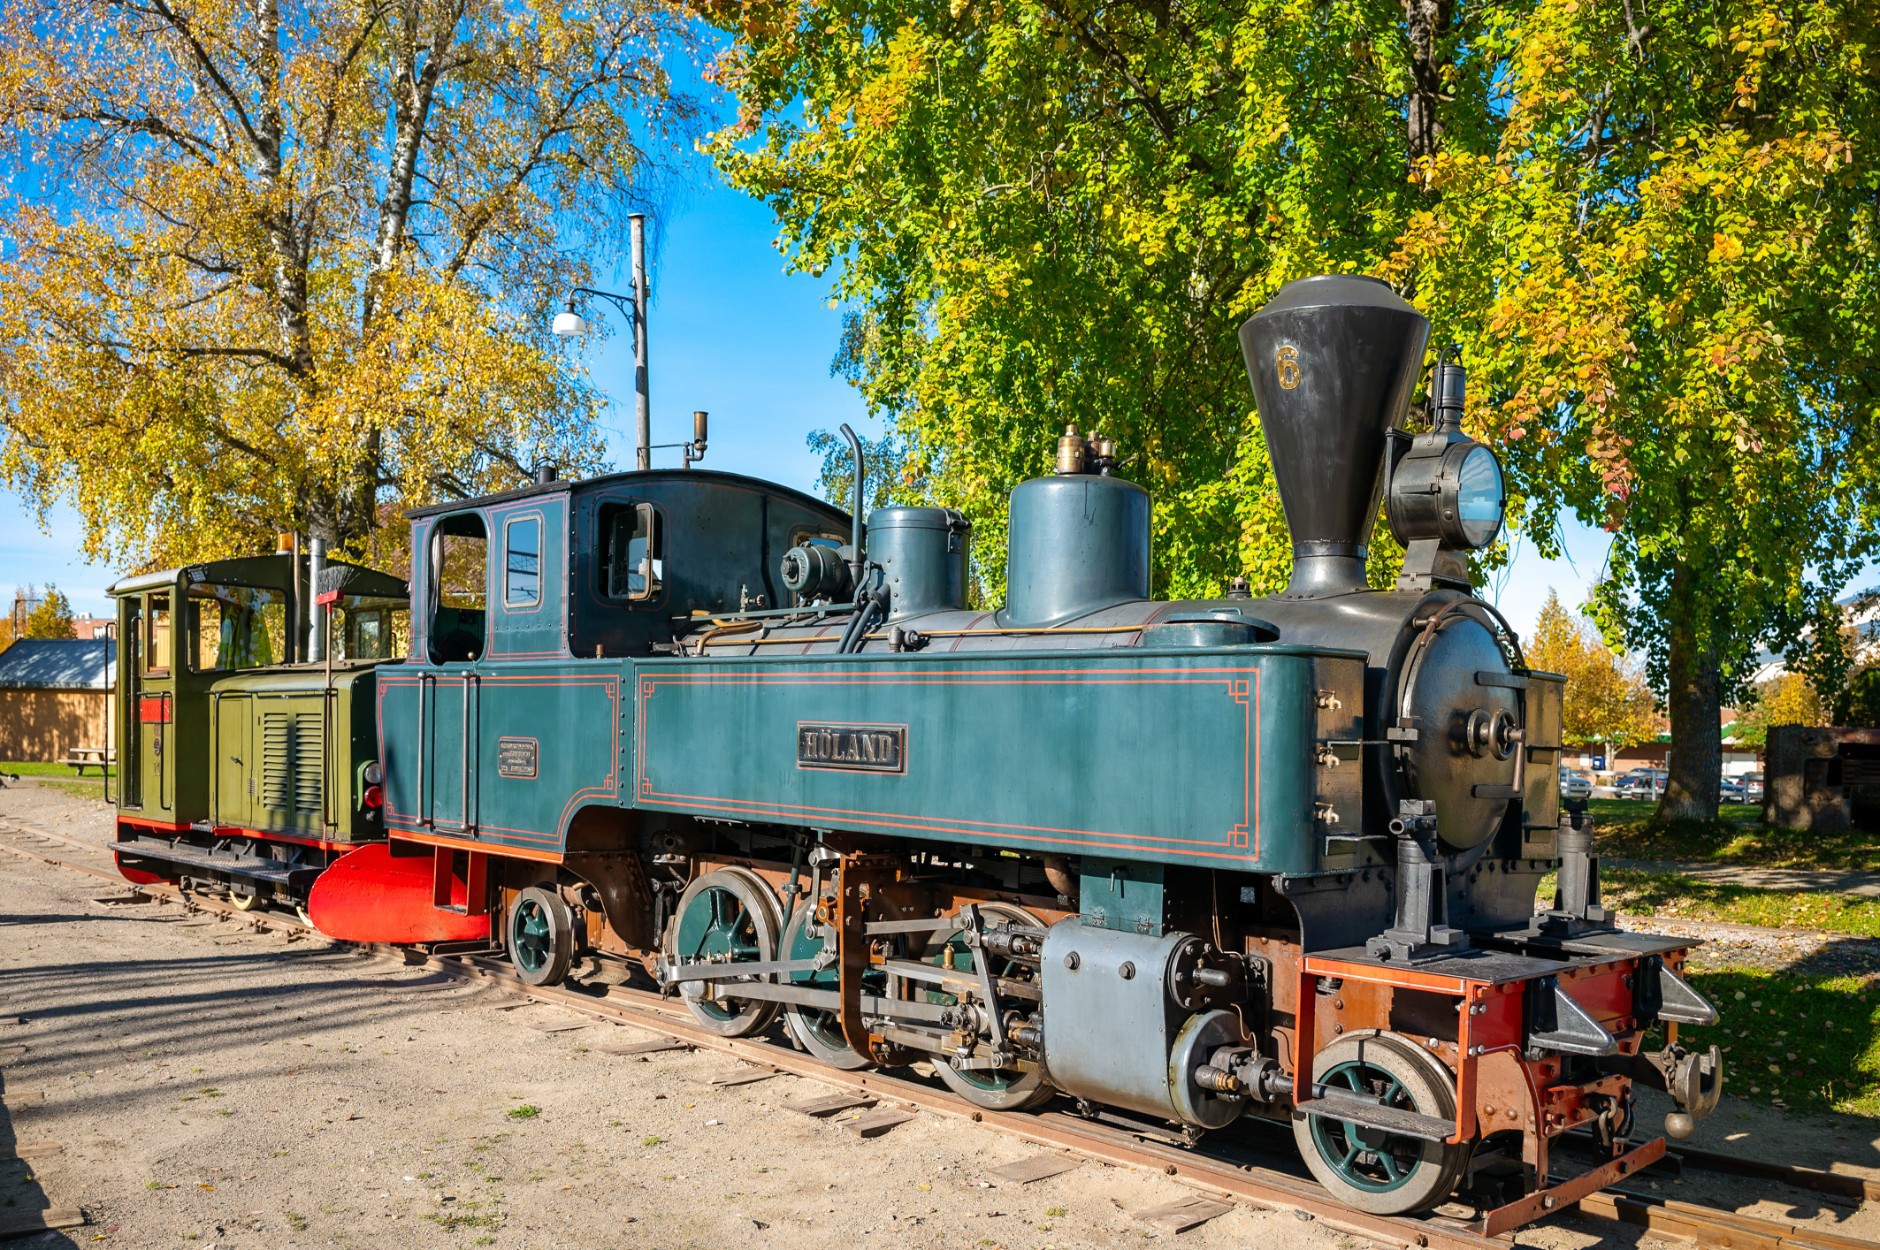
(1242, 1173)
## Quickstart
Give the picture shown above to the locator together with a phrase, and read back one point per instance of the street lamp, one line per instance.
(570, 324)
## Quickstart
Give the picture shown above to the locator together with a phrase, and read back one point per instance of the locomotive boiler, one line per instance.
(1200, 862)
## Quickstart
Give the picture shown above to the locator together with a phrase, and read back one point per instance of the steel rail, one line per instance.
(1246, 1184)
(1840, 1184)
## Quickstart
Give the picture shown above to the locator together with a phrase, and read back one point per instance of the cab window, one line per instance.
(801, 537)
(459, 589)
(522, 562)
(237, 627)
(633, 564)
(157, 648)
(366, 628)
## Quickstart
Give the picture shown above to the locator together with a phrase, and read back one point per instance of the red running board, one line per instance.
(371, 895)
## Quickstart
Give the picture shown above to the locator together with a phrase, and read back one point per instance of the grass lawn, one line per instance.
(31, 768)
(61, 777)
(1670, 895)
(1810, 1043)
(1623, 828)
(1737, 839)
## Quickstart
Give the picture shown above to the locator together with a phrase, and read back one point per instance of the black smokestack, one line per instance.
(1332, 360)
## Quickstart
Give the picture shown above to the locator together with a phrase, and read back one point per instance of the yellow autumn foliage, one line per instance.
(268, 267)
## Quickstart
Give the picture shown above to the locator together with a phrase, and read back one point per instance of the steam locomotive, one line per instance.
(1197, 861)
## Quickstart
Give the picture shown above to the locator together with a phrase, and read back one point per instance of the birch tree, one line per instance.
(273, 264)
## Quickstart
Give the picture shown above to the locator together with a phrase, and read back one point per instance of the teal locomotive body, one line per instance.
(1201, 861)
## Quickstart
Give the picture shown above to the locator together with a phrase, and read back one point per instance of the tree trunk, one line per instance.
(1693, 700)
(1426, 25)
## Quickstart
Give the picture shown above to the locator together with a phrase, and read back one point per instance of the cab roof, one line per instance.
(690, 477)
(270, 570)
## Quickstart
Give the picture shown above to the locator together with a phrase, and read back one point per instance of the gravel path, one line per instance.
(210, 1086)
(1807, 952)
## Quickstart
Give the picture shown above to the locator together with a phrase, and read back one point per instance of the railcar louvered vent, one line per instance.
(290, 761)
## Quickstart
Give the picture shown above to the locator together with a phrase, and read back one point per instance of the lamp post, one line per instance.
(570, 324)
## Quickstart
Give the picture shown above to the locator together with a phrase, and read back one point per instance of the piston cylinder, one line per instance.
(1114, 1028)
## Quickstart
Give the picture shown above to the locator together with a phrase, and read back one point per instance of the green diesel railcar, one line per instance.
(247, 766)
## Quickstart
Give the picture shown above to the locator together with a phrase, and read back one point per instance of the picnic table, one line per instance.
(100, 758)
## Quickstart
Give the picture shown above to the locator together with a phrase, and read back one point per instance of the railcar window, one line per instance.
(459, 589)
(370, 629)
(633, 563)
(522, 563)
(237, 627)
(158, 650)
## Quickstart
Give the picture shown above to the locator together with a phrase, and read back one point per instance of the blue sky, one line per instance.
(731, 333)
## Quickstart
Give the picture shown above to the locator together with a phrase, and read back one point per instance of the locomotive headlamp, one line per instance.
(1450, 492)
(1444, 486)
(1479, 497)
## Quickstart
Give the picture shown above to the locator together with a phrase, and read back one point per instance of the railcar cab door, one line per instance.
(456, 638)
(143, 689)
(163, 716)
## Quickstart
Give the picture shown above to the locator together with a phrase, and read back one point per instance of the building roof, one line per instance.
(58, 664)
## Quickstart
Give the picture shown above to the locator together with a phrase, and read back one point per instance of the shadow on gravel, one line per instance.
(1839, 957)
(83, 1016)
(20, 1192)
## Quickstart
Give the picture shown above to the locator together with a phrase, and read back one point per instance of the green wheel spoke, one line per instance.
(1395, 1160)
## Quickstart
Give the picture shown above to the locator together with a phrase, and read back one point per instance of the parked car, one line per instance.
(1642, 783)
(1752, 787)
(1731, 791)
(1575, 786)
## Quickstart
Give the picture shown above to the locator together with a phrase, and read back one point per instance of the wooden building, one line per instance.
(55, 695)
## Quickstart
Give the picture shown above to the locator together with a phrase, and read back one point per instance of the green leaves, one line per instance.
(1649, 227)
(1045, 216)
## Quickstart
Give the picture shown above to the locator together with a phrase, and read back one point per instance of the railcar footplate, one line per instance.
(252, 867)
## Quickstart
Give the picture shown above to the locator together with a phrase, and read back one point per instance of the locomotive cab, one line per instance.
(612, 566)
